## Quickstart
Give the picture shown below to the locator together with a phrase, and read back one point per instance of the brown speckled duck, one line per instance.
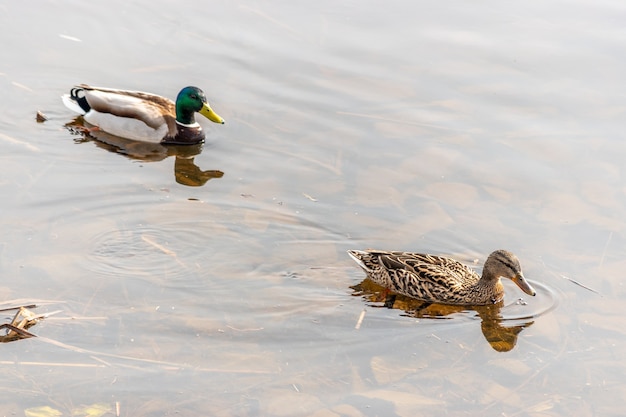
(143, 116)
(442, 280)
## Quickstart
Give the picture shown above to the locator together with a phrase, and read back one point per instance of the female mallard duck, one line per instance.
(442, 280)
(143, 116)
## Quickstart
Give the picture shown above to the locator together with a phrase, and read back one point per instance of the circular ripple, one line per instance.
(529, 307)
(170, 250)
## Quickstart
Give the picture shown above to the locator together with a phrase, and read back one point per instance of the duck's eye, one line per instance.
(193, 96)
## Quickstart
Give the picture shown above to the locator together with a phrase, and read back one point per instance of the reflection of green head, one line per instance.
(191, 100)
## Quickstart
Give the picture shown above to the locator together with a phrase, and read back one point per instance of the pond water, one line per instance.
(214, 280)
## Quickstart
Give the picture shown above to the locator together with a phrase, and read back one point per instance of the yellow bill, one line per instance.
(208, 112)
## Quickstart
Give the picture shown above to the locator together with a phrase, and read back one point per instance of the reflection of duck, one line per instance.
(143, 116)
(501, 338)
(188, 173)
(185, 169)
(442, 280)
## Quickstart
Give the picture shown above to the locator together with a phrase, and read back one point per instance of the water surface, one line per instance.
(454, 129)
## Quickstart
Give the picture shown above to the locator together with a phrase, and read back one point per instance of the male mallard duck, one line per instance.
(442, 280)
(143, 116)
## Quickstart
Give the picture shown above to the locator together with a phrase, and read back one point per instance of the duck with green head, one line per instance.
(143, 116)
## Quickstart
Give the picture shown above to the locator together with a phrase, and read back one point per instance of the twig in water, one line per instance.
(158, 246)
(18, 307)
(606, 246)
(360, 320)
(162, 248)
(581, 285)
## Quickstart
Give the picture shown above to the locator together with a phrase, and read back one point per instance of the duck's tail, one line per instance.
(359, 257)
(76, 102)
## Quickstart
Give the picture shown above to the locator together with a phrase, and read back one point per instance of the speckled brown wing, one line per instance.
(428, 277)
(421, 276)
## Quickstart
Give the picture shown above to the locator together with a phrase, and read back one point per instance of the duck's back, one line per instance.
(422, 276)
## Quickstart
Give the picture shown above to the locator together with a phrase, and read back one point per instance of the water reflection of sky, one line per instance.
(457, 130)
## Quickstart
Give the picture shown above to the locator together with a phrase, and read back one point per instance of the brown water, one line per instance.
(449, 128)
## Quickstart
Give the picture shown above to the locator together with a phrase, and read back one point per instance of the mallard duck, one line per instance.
(143, 116)
(442, 280)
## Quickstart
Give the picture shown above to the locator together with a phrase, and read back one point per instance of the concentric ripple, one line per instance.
(170, 250)
(529, 307)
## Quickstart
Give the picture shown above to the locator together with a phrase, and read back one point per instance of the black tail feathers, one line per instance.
(81, 100)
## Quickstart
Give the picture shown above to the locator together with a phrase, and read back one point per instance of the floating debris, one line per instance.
(41, 117)
(94, 410)
(69, 38)
(573, 281)
(23, 320)
(360, 320)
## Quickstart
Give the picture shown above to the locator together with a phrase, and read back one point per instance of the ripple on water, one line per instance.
(501, 324)
(529, 307)
(242, 240)
(170, 250)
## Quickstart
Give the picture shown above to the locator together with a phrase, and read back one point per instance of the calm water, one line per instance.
(214, 281)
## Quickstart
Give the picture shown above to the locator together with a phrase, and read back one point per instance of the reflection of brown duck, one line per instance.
(442, 280)
(501, 338)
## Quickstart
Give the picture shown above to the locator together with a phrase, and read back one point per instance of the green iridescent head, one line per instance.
(191, 100)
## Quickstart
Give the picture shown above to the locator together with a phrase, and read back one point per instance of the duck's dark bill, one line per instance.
(524, 285)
